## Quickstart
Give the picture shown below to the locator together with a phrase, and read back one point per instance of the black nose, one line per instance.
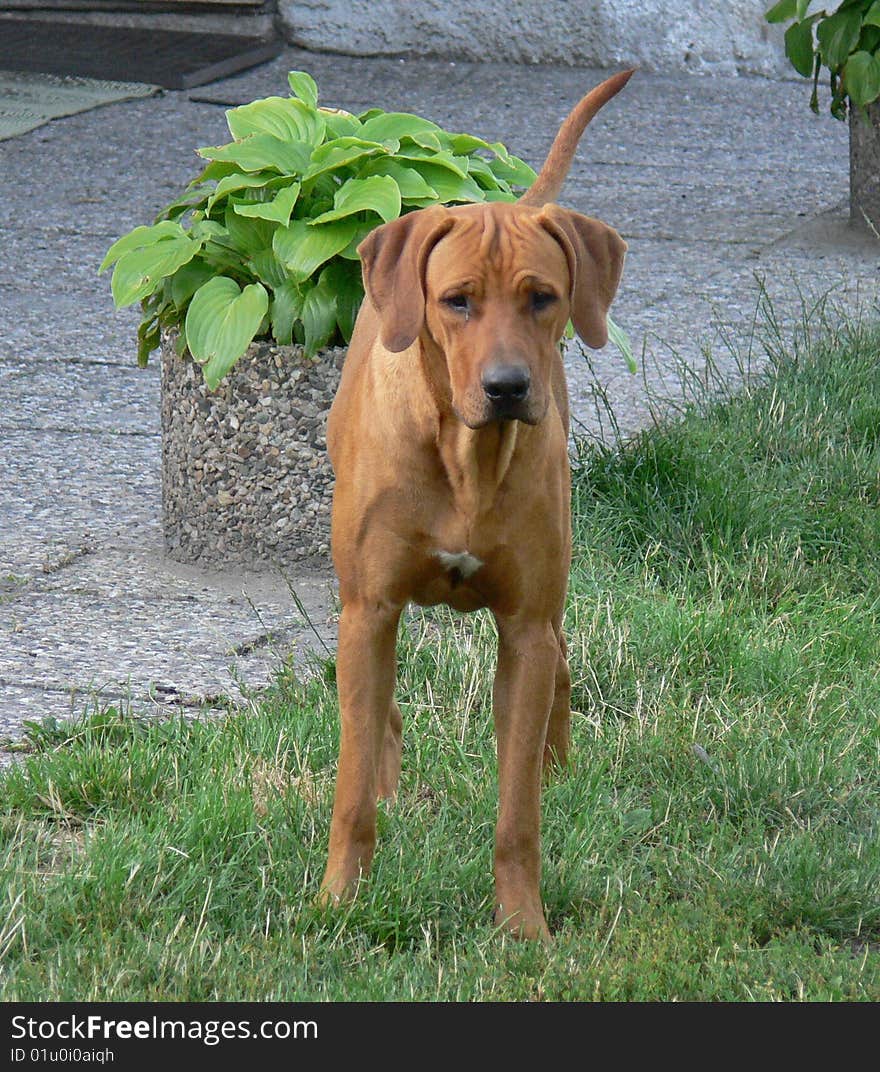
(506, 383)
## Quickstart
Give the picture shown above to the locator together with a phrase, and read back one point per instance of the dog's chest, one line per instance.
(465, 574)
(459, 565)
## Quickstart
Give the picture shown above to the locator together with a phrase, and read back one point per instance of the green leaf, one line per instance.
(862, 78)
(449, 187)
(261, 151)
(221, 322)
(787, 9)
(318, 317)
(466, 144)
(621, 340)
(396, 125)
(149, 337)
(302, 248)
(425, 139)
(341, 152)
(140, 237)
(207, 229)
(192, 198)
(247, 235)
(241, 181)
(282, 117)
(340, 124)
(379, 194)
(482, 174)
(344, 280)
(513, 170)
(223, 256)
(350, 252)
(782, 12)
(410, 183)
(139, 271)
(499, 195)
(500, 150)
(799, 46)
(277, 210)
(285, 310)
(869, 39)
(213, 172)
(187, 280)
(457, 165)
(838, 36)
(302, 85)
(268, 269)
(872, 18)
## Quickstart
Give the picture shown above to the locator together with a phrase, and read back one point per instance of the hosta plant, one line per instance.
(845, 41)
(263, 243)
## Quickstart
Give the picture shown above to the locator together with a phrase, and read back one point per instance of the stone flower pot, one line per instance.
(864, 168)
(245, 475)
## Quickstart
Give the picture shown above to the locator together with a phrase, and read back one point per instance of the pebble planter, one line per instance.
(245, 474)
(864, 167)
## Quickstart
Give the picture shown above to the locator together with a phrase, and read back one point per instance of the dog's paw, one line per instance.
(526, 924)
(337, 890)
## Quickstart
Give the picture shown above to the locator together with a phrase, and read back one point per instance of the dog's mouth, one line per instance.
(494, 413)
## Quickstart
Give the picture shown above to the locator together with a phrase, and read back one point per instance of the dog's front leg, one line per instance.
(528, 652)
(365, 676)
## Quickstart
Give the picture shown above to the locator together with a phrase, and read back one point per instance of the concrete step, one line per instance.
(248, 18)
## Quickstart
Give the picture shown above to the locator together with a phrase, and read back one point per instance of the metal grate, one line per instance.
(169, 58)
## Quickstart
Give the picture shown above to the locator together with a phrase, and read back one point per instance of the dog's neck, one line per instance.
(476, 462)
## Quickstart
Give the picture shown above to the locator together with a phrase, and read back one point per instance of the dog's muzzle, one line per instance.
(507, 389)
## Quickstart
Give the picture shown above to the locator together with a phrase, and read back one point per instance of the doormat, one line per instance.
(29, 100)
(169, 58)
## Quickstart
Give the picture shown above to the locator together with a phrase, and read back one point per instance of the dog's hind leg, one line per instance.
(559, 726)
(389, 759)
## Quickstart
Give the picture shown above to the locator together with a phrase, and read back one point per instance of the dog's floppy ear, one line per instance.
(394, 259)
(595, 253)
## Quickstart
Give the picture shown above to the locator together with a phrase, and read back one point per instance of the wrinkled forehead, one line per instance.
(496, 240)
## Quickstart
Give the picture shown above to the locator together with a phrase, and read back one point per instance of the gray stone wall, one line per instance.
(712, 36)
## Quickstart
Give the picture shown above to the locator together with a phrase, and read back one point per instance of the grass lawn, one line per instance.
(716, 836)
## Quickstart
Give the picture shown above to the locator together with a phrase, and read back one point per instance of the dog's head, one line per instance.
(488, 290)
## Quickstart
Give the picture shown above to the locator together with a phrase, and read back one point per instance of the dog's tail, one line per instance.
(548, 184)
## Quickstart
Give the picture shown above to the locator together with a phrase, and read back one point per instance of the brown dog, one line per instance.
(449, 440)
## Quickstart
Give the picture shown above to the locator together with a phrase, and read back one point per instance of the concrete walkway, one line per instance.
(709, 180)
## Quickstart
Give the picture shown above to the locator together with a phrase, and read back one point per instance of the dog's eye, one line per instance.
(459, 302)
(541, 299)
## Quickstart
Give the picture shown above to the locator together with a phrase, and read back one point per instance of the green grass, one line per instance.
(715, 838)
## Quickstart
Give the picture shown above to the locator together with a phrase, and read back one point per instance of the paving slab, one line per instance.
(121, 400)
(723, 187)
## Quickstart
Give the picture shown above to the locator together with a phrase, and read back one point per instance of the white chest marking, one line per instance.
(463, 562)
